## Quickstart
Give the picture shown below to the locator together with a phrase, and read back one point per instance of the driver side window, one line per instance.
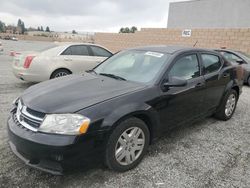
(186, 68)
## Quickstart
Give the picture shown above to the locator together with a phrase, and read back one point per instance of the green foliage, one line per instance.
(74, 32)
(20, 24)
(2, 27)
(128, 30)
(47, 29)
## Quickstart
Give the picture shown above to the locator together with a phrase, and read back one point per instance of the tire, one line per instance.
(60, 73)
(228, 106)
(119, 149)
(248, 81)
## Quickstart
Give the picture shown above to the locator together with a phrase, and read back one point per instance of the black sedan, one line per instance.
(116, 110)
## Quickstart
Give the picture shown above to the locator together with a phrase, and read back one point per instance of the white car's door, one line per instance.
(78, 58)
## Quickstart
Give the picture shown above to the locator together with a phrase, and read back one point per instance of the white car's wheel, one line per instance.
(60, 73)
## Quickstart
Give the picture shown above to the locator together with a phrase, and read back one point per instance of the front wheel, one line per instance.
(127, 145)
(228, 106)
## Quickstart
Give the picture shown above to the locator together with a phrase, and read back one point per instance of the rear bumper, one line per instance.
(54, 154)
(27, 75)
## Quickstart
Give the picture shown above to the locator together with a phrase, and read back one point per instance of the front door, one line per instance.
(180, 104)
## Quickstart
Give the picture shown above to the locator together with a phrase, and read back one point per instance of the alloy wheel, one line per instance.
(129, 146)
(230, 105)
(60, 74)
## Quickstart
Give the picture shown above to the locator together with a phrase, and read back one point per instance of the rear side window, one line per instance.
(98, 51)
(186, 67)
(211, 63)
(80, 50)
(231, 57)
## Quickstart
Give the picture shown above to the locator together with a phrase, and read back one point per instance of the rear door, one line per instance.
(216, 78)
(78, 58)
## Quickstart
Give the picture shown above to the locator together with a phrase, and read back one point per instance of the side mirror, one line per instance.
(175, 82)
(240, 62)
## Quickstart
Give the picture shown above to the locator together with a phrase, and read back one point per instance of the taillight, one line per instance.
(28, 61)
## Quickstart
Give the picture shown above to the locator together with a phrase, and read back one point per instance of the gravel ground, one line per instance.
(210, 153)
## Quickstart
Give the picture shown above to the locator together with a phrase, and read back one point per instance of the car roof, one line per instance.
(74, 43)
(169, 49)
(225, 50)
(67, 44)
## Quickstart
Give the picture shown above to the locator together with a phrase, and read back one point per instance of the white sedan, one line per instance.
(58, 61)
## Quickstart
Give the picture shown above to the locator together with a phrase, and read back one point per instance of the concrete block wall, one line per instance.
(238, 39)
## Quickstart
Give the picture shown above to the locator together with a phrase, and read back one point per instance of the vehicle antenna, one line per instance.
(195, 43)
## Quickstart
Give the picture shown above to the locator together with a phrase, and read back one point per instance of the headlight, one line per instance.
(15, 102)
(67, 124)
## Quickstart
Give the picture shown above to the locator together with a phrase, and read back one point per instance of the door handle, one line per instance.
(225, 75)
(199, 85)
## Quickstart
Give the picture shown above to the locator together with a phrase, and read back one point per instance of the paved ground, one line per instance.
(209, 153)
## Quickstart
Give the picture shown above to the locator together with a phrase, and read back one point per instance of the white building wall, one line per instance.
(210, 14)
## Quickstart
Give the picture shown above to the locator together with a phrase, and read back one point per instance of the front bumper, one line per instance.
(51, 153)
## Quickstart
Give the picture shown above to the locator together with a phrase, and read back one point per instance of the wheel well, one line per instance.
(236, 88)
(146, 119)
(60, 69)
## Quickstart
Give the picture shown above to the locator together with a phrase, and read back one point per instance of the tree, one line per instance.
(133, 29)
(128, 30)
(2, 27)
(74, 32)
(38, 28)
(121, 30)
(21, 26)
(47, 29)
(41, 28)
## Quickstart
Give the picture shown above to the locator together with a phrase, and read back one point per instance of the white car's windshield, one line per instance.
(134, 65)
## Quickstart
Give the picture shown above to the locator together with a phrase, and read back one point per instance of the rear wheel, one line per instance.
(127, 145)
(228, 106)
(248, 81)
(60, 73)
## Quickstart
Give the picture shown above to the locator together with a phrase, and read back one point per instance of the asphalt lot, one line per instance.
(210, 153)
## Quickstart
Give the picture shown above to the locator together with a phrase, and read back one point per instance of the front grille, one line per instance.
(28, 118)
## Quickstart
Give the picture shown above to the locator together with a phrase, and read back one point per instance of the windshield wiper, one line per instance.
(113, 76)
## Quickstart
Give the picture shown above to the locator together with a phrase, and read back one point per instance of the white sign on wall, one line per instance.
(187, 33)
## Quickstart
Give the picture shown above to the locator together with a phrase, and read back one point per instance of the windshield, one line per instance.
(134, 65)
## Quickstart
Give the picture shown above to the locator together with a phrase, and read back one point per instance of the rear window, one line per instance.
(211, 63)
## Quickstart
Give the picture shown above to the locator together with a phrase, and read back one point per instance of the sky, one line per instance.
(86, 15)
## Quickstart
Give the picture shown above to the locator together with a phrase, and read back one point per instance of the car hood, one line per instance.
(73, 93)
